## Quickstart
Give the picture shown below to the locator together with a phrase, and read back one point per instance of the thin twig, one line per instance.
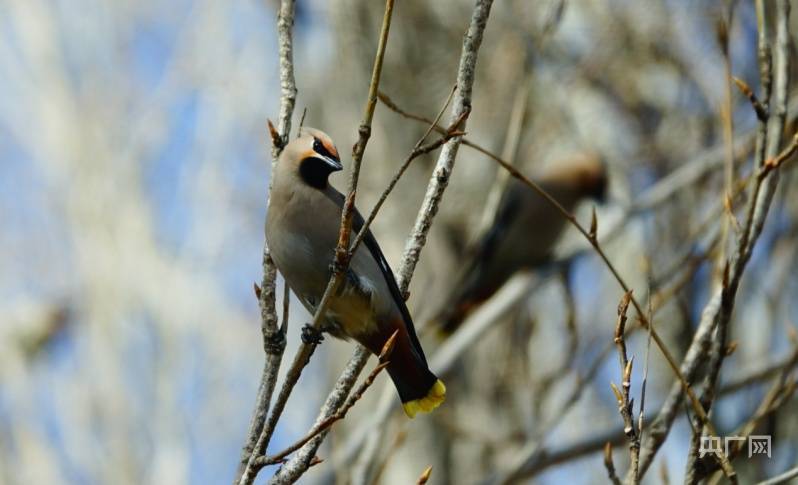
(644, 383)
(727, 125)
(548, 457)
(341, 413)
(625, 402)
(783, 478)
(779, 160)
(609, 465)
(509, 151)
(688, 172)
(533, 449)
(760, 109)
(418, 150)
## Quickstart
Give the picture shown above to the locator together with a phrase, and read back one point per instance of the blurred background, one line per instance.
(134, 165)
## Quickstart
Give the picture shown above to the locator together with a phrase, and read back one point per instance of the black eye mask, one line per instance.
(319, 148)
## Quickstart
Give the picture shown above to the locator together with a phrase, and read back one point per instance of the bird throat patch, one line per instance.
(314, 172)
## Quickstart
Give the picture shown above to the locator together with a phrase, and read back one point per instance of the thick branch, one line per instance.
(443, 168)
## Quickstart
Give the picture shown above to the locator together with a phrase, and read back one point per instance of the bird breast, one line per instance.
(302, 243)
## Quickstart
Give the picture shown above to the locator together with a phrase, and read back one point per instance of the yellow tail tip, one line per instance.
(433, 399)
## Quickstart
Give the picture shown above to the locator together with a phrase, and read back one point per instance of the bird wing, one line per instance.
(376, 253)
(485, 249)
(505, 214)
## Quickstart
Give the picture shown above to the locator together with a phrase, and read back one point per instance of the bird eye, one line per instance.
(319, 148)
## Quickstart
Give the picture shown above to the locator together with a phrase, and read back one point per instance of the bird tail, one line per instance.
(418, 388)
(434, 397)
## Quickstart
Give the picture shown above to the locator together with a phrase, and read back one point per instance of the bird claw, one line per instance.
(311, 335)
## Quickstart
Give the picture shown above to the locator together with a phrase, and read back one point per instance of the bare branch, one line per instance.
(760, 110)
(339, 415)
(559, 453)
(443, 169)
(625, 402)
(609, 465)
(273, 337)
(783, 478)
(418, 150)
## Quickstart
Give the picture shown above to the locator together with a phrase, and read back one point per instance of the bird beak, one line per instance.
(333, 163)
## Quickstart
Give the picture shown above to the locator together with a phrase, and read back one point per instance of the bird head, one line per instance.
(587, 173)
(594, 182)
(313, 157)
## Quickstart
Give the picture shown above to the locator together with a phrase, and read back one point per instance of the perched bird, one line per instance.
(302, 232)
(522, 236)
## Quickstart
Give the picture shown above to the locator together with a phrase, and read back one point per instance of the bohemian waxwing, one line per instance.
(522, 236)
(302, 232)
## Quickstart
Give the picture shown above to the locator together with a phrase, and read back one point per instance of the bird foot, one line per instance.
(311, 335)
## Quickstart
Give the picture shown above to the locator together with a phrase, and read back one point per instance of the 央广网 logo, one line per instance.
(757, 445)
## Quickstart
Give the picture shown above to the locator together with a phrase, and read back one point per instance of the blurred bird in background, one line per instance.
(522, 236)
(302, 230)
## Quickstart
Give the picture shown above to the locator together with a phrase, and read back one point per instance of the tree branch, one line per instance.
(273, 337)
